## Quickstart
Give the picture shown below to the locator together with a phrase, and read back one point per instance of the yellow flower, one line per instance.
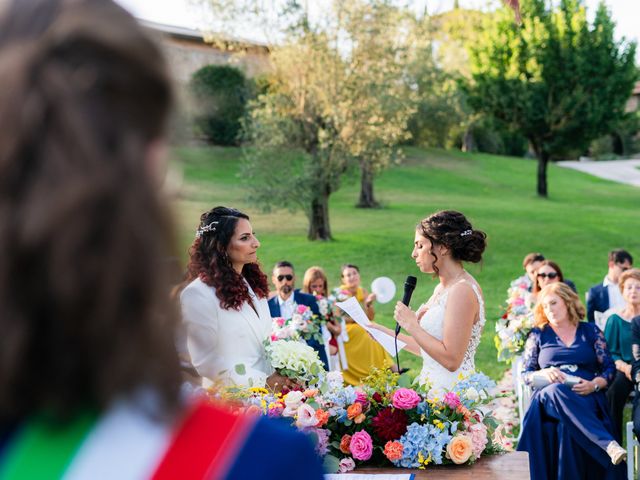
(423, 461)
(260, 390)
(438, 424)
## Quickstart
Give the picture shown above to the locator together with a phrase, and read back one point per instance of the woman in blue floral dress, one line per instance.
(567, 429)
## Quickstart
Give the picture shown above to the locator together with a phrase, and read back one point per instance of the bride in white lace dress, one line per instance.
(445, 330)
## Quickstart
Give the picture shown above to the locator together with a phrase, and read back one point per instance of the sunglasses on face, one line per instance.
(282, 277)
(551, 275)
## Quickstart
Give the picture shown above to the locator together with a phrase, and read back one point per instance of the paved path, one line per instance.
(623, 171)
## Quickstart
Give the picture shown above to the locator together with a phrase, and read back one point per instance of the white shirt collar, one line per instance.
(606, 282)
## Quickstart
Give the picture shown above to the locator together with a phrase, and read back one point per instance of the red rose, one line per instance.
(390, 424)
(377, 397)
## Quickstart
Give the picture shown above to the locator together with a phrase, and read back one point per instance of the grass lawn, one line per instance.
(582, 220)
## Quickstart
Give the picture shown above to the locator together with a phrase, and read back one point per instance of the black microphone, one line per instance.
(409, 287)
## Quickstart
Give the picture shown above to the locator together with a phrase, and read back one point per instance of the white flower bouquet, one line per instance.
(295, 360)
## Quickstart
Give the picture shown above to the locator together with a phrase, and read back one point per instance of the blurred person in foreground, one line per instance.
(89, 378)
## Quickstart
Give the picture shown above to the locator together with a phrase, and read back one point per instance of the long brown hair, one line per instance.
(209, 261)
(84, 310)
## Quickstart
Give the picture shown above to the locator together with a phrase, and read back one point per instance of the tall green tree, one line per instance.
(338, 99)
(556, 78)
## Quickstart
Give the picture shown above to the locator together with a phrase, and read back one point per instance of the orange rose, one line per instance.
(311, 392)
(459, 449)
(393, 450)
(359, 419)
(354, 410)
(464, 411)
(323, 417)
(344, 444)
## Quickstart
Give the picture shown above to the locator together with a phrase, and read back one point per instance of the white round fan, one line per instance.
(384, 288)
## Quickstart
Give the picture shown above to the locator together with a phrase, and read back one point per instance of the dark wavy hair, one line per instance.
(452, 230)
(84, 311)
(208, 260)
(536, 286)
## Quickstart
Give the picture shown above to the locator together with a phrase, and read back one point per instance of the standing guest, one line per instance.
(362, 352)
(618, 336)
(607, 295)
(225, 306)
(315, 283)
(89, 376)
(567, 430)
(288, 298)
(549, 272)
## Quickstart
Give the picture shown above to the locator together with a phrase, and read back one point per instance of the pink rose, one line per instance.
(346, 465)
(519, 301)
(302, 308)
(451, 399)
(478, 432)
(405, 399)
(361, 398)
(306, 416)
(361, 445)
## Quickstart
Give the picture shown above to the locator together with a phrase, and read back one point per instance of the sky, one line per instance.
(626, 13)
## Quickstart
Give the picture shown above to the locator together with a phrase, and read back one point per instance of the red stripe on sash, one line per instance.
(205, 445)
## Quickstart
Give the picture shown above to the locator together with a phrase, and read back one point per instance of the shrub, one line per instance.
(221, 93)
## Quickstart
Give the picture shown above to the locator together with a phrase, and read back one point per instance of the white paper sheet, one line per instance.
(352, 308)
(371, 476)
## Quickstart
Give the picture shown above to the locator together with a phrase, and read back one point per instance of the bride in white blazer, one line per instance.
(225, 308)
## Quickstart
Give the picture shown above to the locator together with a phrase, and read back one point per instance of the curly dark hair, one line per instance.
(208, 260)
(452, 230)
(84, 311)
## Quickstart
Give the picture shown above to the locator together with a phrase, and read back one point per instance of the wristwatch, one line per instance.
(596, 389)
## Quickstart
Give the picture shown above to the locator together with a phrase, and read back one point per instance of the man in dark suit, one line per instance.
(284, 303)
(606, 295)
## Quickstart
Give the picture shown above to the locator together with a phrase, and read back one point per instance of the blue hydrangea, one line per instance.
(479, 381)
(341, 398)
(427, 440)
(423, 408)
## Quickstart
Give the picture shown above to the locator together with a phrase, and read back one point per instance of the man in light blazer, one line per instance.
(606, 295)
(283, 303)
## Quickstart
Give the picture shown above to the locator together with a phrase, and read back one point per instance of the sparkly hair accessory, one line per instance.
(207, 228)
(466, 232)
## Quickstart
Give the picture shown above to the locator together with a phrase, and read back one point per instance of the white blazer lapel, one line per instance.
(252, 320)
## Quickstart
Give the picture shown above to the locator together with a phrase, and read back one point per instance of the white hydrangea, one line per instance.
(294, 359)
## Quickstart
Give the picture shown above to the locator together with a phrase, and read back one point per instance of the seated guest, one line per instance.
(635, 372)
(567, 430)
(284, 303)
(549, 272)
(90, 382)
(315, 283)
(362, 352)
(618, 336)
(530, 264)
(607, 295)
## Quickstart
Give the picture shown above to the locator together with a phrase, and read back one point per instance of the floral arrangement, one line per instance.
(385, 421)
(294, 359)
(516, 322)
(302, 324)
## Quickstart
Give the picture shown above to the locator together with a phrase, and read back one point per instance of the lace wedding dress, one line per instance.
(433, 322)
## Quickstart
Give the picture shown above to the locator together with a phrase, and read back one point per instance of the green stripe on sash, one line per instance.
(42, 451)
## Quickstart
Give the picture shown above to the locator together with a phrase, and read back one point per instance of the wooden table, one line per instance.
(512, 465)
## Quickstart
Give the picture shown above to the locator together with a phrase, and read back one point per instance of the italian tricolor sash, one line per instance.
(126, 444)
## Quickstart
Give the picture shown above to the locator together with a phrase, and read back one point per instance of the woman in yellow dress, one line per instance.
(363, 352)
